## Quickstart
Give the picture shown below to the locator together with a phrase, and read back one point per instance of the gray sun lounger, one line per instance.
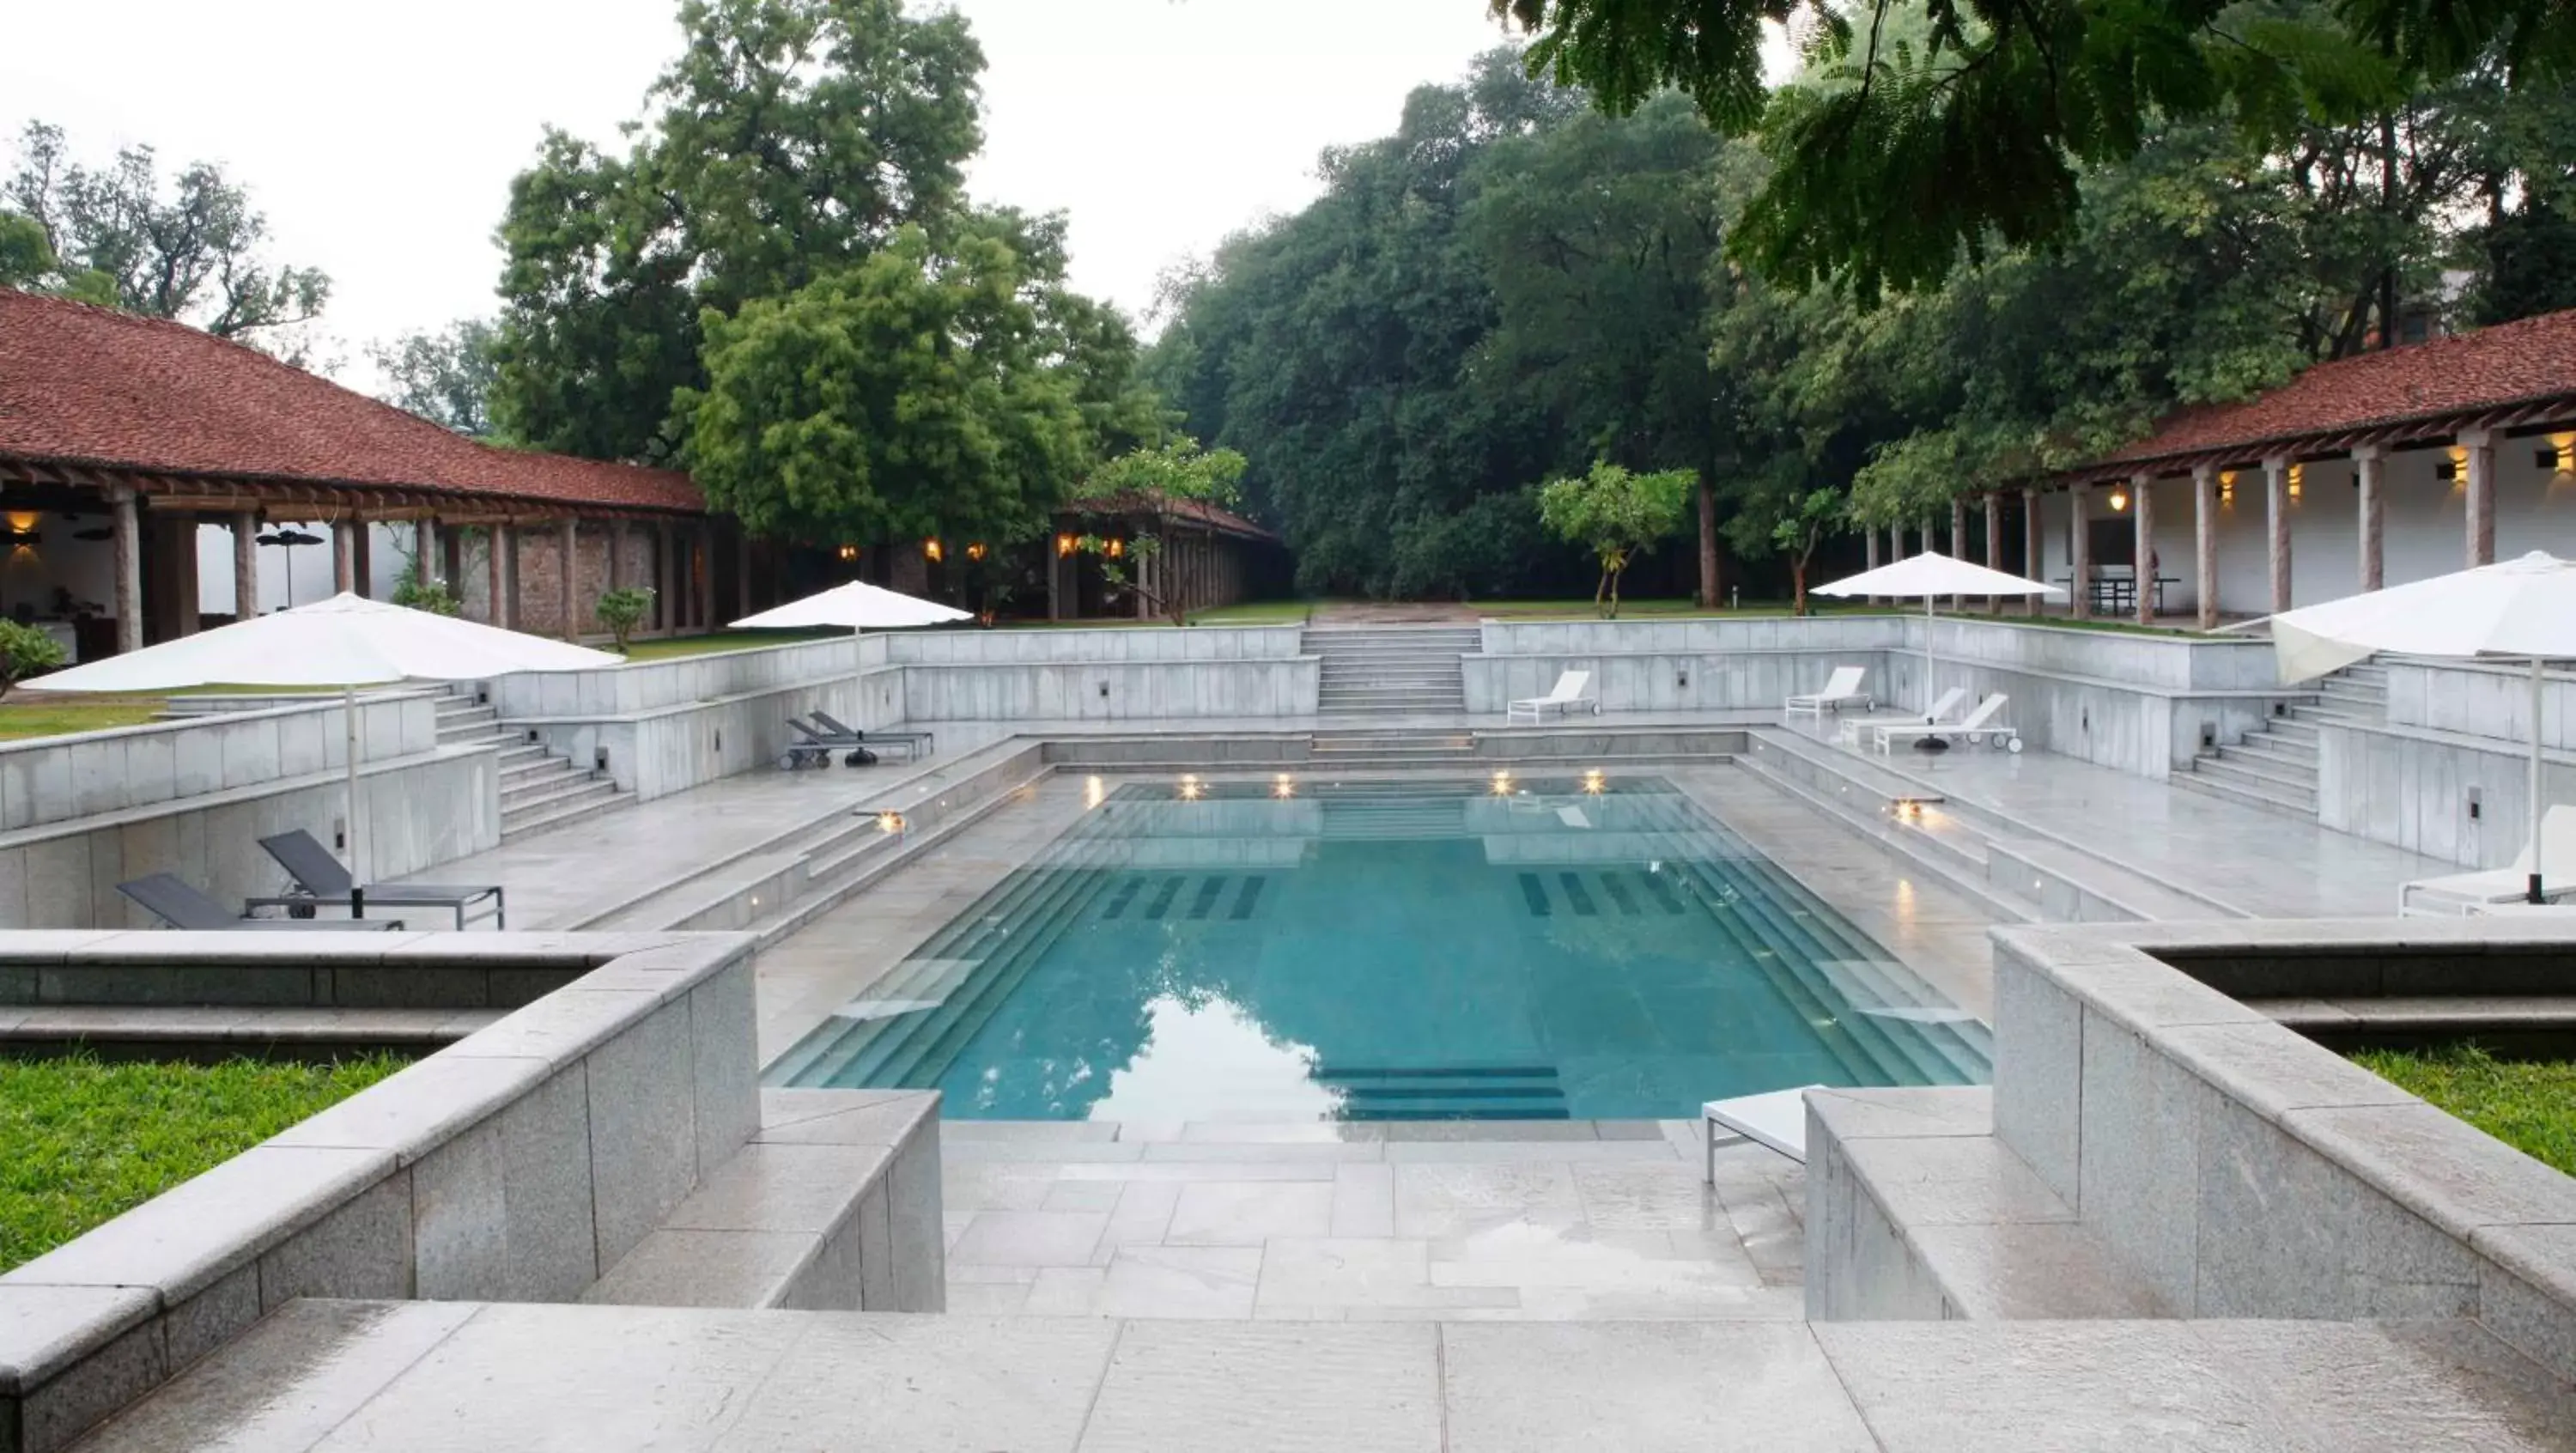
(914, 742)
(319, 878)
(181, 906)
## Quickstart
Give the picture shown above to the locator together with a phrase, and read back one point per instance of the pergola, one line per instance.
(163, 428)
(2468, 396)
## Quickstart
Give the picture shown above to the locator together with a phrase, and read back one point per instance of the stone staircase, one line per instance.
(2276, 768)
(1393, 669)
(537, 791)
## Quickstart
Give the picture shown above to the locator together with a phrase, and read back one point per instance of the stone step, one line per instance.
(2253, 769)
(544, 793)
(2301, 754)
(582, 810)
(2209, 787)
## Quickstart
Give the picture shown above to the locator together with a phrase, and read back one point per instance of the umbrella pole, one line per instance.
(357, 872)
(2537, 808)
(1929, 666)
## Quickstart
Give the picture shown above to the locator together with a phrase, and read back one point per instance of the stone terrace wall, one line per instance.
(1141, 674)
(2453, 729)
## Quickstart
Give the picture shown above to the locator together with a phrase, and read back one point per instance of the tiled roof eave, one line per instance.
(152, 479)
(2306, 443)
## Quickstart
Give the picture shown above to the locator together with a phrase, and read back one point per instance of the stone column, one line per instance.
(344, 557)
(362, 555)
(179, 540)
(666, 588)
(2478, 445)
(127, 531)
(568, 562)
(2034, 555)
(424, 552)
(506, 538)
(245, 565)
(2079, 550)
(2204, 545)
(1994, 506)
(2276, 514)
(497, 610)
(2142, 500)
(2369, 474)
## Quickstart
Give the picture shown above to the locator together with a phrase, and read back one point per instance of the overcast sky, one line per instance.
(381, 139)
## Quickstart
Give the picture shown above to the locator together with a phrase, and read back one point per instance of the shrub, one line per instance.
(623, 610)
(24, 652)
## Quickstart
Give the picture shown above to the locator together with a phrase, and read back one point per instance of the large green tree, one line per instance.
(908, 395)
(193, 249)
(443, 375)
(788, 142)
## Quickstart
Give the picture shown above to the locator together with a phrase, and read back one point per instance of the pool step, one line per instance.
(1448, 1092)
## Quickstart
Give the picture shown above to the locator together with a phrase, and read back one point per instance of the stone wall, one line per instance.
(193, 798)
(2456, 733)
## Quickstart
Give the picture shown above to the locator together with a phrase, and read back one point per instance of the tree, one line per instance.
(912, 395)
(792, 139)
(1176, 472)
(112, 236)
(1801, 528)
(1967, 124)
(622, 610)
(445, 376)
(1616, 515)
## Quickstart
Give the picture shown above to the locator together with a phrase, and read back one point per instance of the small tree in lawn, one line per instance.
(1618, 516)
(1802, 527)
(1177, 472)
(623, 610)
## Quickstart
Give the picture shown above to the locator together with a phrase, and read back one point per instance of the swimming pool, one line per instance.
(1408, 949)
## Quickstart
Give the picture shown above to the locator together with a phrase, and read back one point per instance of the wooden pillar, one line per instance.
(1055, 572)
(2369, 474)
(451, 560)
(127, 532)
(1958, 535)
(703, 571)
(362, 555)
(2204, 545)
(2477, 459)
(424, 551)
(568, 567)
(245, 565)
(666, 575)
(179, 538)
(2079, 550)
(497, 611)
(617, 553)
(508, 536)
(344, 555)
(2034, 557)
(2276, 516)
(1994, 545)
(2142, 503)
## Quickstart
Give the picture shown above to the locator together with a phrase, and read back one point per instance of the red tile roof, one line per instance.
(89, 386)
(2522, 362)
(1222, 520)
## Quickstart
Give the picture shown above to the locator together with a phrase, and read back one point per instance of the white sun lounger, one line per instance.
(2463, 893)
(1944, 708)
(1977, 726)
(1566, 697)
(1841, 690)
(1776, 1121)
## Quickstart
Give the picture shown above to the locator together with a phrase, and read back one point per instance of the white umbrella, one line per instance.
(2519, 610)
(857, 606)
(1932, 575)
(347, 641)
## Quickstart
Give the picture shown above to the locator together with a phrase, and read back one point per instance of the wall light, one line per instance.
(975, 551)
(1595, 783)
(22, 522)
(931, 551)
(1063, 546)
(849, 552)
(1117, 550)
(2119, 500)
(1502, 784)
(2298, 477)
(2227, 486)
(890, 822)
(1192, 789)
(1285, 787)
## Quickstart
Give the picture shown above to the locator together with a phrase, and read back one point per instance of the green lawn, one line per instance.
(722, 641)
(82, 1140)
(34, 716)
(2529, 1105)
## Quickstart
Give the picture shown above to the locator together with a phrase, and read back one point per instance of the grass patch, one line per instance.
(84, 1140)
(1256, 613)
(665, 650)
(29, 717)
(2529, 1105)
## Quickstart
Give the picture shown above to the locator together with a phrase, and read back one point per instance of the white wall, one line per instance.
(2424, 533)
(389, 547)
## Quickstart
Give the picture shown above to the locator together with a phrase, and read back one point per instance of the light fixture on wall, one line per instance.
(2454, 468)
(930, 551)
(1063, 546)
(2557, 454)
(2119, 499)
(975, 552)
(2227, 486)
(1117, 550)
(849, 553)
(2298, 477)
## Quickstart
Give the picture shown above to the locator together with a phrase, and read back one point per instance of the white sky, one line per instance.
(380, 139)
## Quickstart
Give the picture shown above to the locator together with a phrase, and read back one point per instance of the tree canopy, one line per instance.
(445, 376)
(1618, 516)
(1954, 128)
(194, 249)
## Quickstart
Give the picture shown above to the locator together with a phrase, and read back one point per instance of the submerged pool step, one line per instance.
(1446, 1092)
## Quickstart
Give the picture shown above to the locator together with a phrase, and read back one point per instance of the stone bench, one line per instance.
(833, 1205)
(1915, 1211)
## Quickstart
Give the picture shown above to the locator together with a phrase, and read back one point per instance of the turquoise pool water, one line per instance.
(1440, 949)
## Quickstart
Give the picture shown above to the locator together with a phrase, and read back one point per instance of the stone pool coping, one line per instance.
(518, 1163)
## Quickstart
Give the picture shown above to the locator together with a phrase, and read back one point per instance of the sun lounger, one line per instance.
(1944, 708)
(2462, 893)
(914, 743)
(1776, 1120)
(1977, 726)
(319, 878)
(1565, 697)
(1841, 690)
(181, 906)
